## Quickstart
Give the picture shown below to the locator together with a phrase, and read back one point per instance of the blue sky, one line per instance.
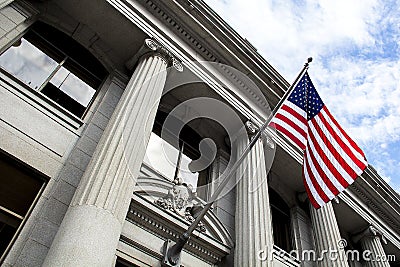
(356, 69)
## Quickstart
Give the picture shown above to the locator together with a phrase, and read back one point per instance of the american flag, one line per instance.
(332, 160)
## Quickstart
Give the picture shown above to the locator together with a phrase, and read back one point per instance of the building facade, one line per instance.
(118, 119)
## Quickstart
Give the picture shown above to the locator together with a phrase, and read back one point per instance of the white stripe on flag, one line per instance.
(296, 108)
(328, 154)
(290, 129)
(336, 145)
(316, 196)
(302, 125)
(325, 168)
(318, 179)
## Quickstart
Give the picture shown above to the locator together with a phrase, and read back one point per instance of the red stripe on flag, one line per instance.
(295, 114)
(292, 124)
(327, 162)
(352, 143)
(309, 194)
(316, 185)
(334, 152)
(321, 173)
(289, 135)
(337, 138)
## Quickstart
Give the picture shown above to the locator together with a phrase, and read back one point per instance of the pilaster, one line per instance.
(302, 233)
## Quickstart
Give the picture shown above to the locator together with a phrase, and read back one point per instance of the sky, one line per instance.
(356, 67)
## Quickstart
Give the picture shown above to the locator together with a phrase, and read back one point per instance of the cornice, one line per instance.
(228, 40)
(375, 201)
(354, 202)
(144, 221)
(376, 183)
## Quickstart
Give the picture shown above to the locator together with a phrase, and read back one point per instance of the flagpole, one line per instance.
(172, 252)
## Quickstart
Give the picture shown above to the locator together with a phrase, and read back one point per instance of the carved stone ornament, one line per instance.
(252, 129)
(165, 53)
(180, 200)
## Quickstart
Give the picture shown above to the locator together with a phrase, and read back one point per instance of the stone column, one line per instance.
(253, 225)
(371, 244)
(327, 237)
(90, 230)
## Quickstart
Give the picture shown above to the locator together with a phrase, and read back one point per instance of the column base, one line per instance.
(82, 239)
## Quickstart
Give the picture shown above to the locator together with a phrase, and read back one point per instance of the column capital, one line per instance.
(370, 231)
(153, 47)
(252, 128)
(167, 55)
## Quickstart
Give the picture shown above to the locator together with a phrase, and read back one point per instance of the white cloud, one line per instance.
(356, 68)
(287, 32)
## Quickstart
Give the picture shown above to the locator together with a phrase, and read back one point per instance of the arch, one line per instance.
(67, 43)
(70, 26)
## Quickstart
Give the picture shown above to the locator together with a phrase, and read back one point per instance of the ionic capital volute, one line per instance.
(153, 47)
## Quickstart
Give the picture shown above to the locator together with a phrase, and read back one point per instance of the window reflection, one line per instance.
(184, 172)
(162, 156)
(55, 65)
(74, 87)
(170, 161)
(28, 63)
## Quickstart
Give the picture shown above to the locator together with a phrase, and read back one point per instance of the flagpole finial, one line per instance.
(309, 60)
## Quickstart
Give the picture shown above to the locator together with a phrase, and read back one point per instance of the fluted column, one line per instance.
(253, 226)
(371, 244)
(90, 230)
(327, 236)
(4, 3)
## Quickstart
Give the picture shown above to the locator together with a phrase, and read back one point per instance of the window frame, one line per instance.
(67, 57)
(34, 174)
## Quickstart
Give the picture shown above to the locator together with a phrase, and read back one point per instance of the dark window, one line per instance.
(18, 191)
(280, 221)
(123, 263)
(52, 63)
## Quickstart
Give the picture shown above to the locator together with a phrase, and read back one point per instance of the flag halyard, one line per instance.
(332, 160)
